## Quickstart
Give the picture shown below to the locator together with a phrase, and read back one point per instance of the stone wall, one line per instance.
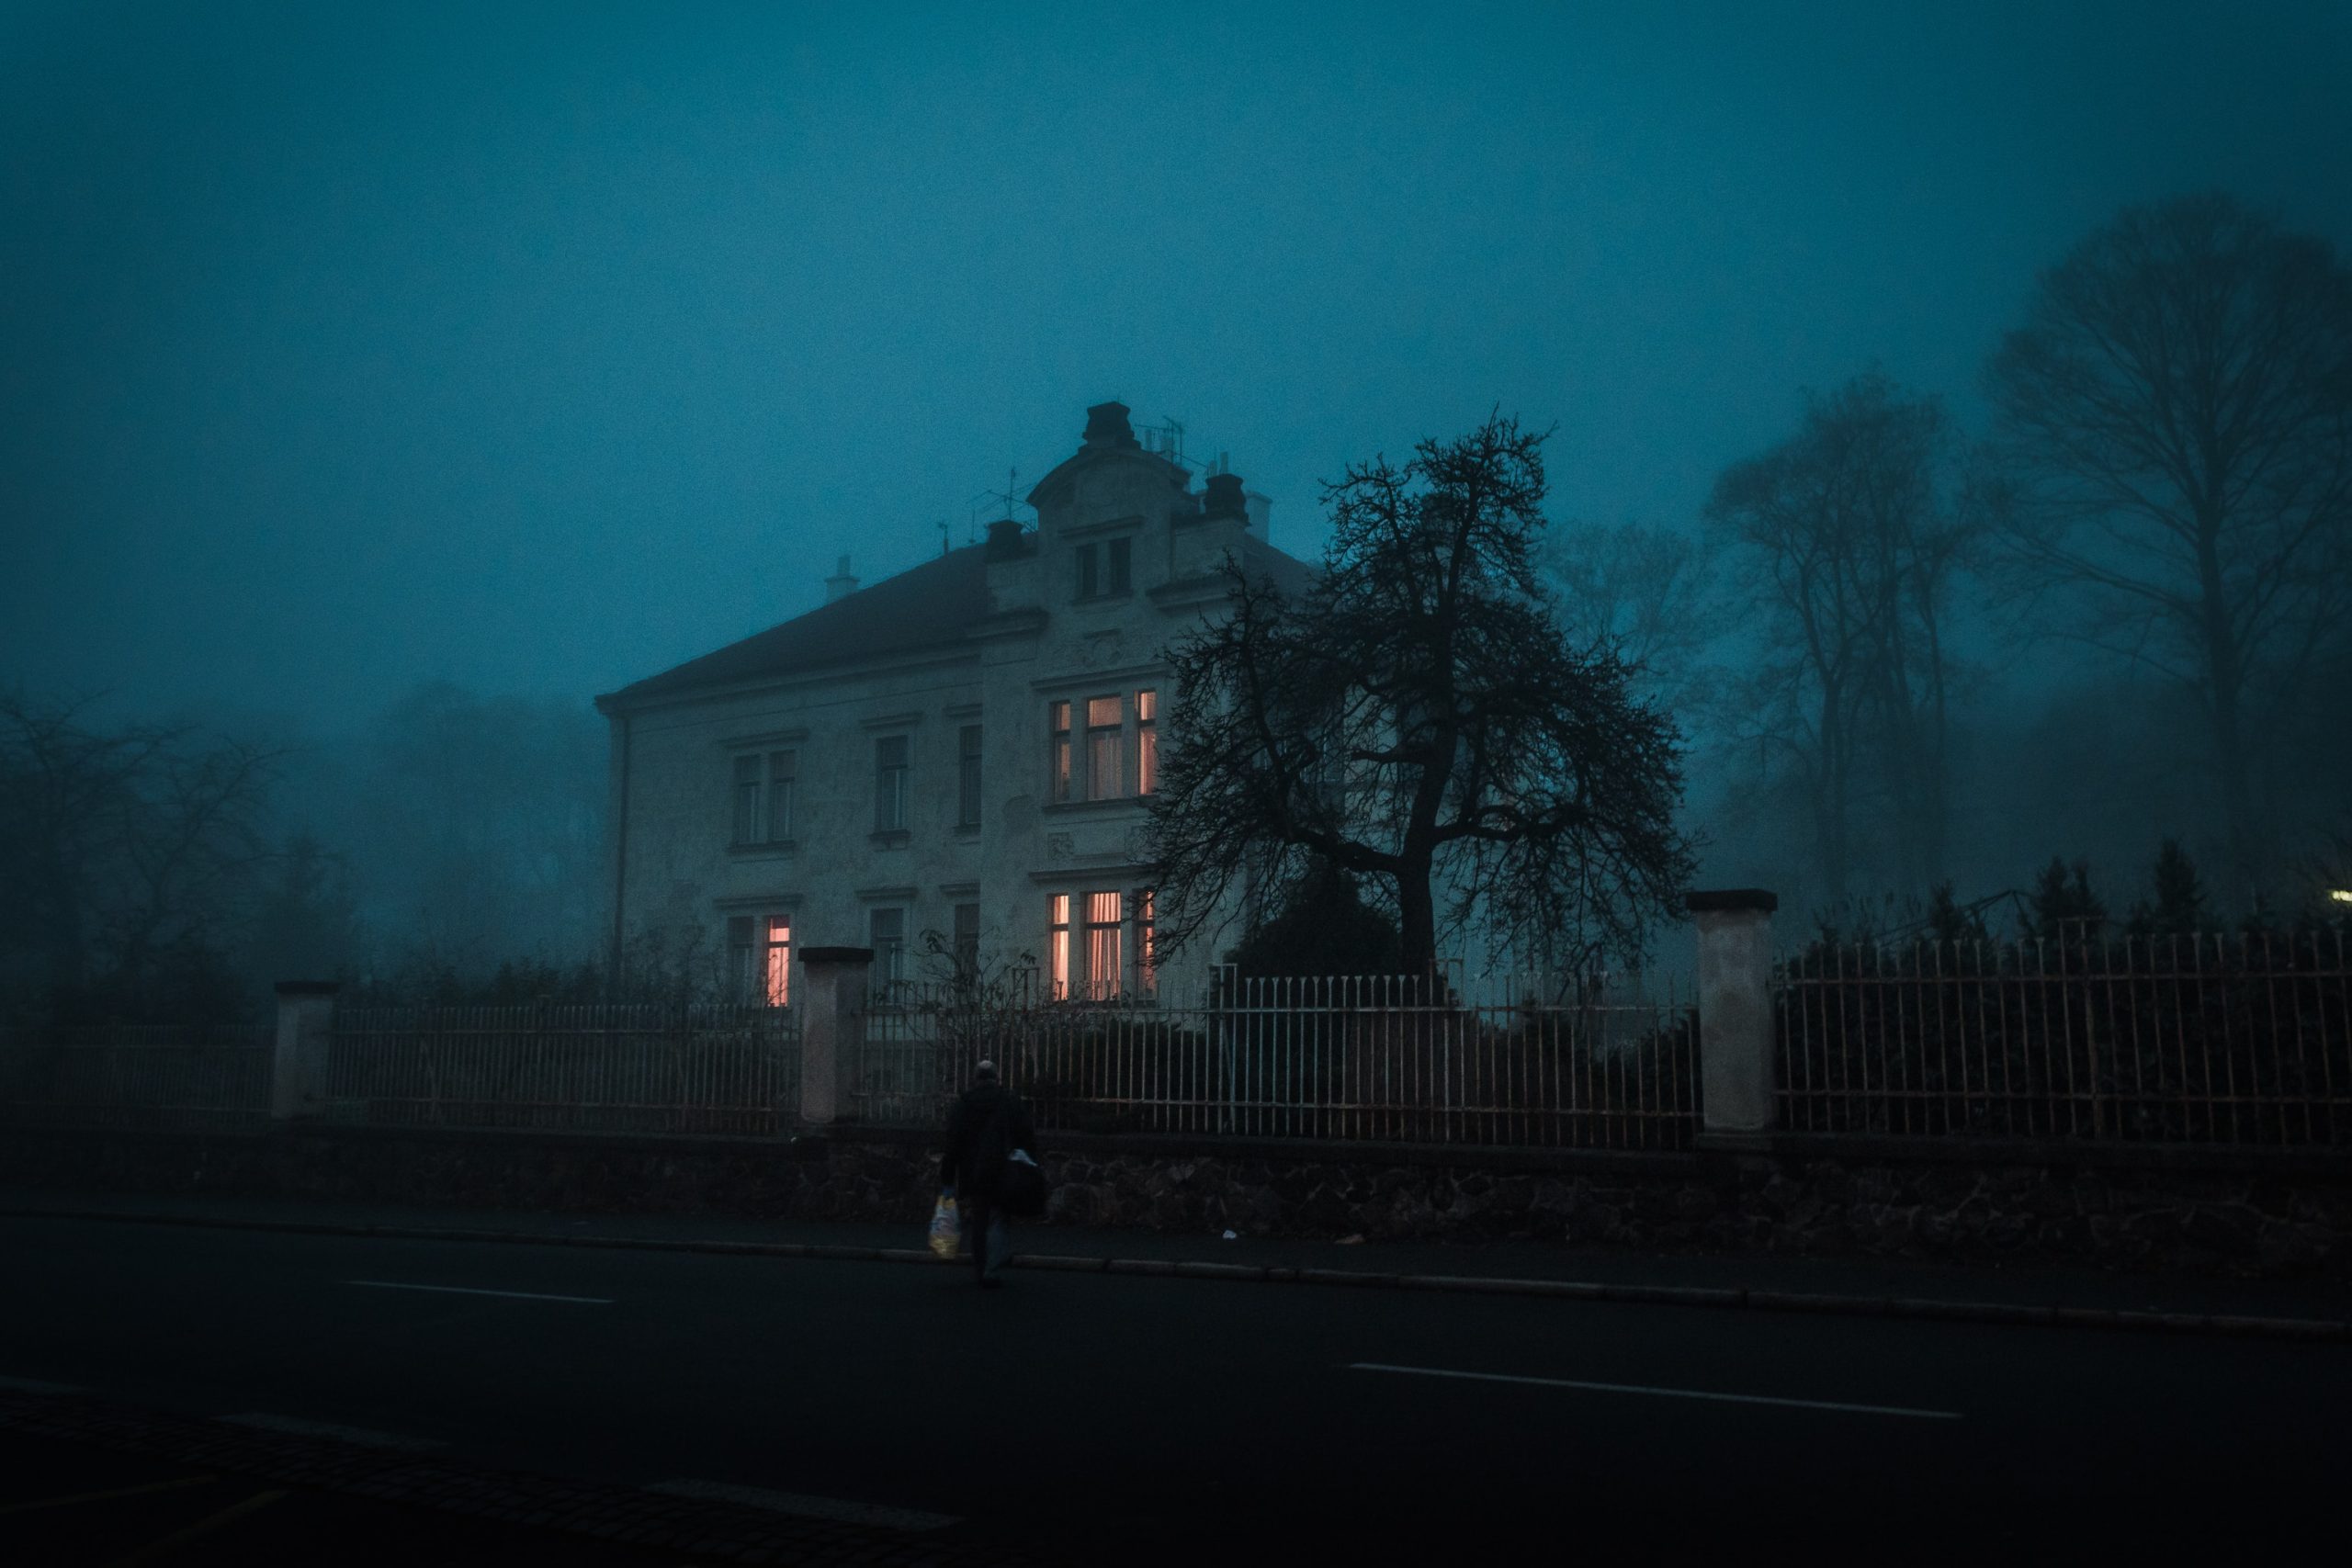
(2272, 1215)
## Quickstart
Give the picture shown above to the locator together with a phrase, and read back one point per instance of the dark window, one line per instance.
(1089, 585)
(889, 784)
(1058, 763)
(967, 939)
(1120, 554)
(968, 776)
(887, 935)
(746, 800)
(741, 970)
(783, 767)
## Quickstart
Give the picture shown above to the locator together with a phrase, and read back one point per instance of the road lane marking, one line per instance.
(470, 1291)
(804, 1506)
(178, 1539)
(34, 1385)
(295, 1424)
(76, 1497)
(1661, 1392)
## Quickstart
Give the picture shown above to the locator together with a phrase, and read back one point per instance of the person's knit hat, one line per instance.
(985, 1070)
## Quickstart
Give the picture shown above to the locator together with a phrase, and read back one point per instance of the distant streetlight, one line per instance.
(2341, 895)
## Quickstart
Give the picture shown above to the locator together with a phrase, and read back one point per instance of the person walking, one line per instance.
(987, 1123)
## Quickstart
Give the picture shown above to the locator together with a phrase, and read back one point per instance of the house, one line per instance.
(964, 749)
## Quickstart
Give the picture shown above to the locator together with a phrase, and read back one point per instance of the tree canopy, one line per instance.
(1418, 719)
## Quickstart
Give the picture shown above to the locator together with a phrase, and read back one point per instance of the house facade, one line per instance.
(964, 750)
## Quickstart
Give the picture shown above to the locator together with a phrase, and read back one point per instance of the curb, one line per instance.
(2310, 1330)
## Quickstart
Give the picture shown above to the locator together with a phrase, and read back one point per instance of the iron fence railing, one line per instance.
(711, 1069)
(2210, 1039)
(1498, 1061)
(165, 1077)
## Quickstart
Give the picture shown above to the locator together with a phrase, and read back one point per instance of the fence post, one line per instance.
(833, 1028)
(297, 1082)
(1736, 1087)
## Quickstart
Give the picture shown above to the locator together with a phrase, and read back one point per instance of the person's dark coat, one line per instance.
(987, 1123)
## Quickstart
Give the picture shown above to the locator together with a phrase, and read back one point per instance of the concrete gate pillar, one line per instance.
(297, 1082)
(833, 1028)
(1737, 1086)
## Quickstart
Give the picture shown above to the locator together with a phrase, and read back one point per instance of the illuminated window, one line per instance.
(891, 784)
(1146, 742)
(1102, 720)
(1057, 945)
(968, 776)
(1057, 720)
(778, 966)
(1104, 973)
(759, 958)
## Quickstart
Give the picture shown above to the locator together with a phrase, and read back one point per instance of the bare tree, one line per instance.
(2176, 421)
(1418, 719)
(118, 843)
(1849, 538)
(1644, 590)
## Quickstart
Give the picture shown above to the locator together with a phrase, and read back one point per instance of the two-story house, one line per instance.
(964, 748)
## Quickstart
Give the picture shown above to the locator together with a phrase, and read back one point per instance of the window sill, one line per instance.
(773, 849)
(968, 830)
(1112, 597)
(888, 837)
(1111, 807)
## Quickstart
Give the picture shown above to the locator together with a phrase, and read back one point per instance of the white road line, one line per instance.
(805, 1506)
(1661, 1392)
(34, 1385)
(303, 1429)
(470, 1290)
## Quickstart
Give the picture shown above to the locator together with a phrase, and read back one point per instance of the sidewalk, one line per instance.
(2081, 1297)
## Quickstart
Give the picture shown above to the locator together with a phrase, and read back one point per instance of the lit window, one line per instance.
(886, 931)
(778, 971)
(1057, 945)
(1102, 719)
(746, 800)
(1102, 964)
(783, 767)
(891, 784)
(968, 776)
(1146, 742)
(1057, 720)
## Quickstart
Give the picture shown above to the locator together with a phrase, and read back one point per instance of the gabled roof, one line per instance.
(933, 605)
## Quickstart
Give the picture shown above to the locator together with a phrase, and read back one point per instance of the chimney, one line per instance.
(841, 584)
(1107, 426)
(1223, 497)
(1261, 510)
(1007, 539)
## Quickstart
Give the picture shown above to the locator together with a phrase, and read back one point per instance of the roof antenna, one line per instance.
(941, 523)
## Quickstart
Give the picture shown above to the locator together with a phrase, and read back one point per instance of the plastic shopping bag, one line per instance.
(946, 1226)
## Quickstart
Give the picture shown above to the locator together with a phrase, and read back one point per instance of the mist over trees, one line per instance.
(173, 872)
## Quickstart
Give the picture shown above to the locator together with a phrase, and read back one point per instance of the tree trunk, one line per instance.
(1415, 921)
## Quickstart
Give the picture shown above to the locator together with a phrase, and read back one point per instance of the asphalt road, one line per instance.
(1105, 1418)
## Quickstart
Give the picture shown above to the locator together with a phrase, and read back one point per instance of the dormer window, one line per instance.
(1105, 568)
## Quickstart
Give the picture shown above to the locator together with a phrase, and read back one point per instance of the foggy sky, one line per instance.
(541, 347)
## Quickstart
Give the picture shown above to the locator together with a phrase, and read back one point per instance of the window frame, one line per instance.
(1114, 736)
(970, 779)
(893, 782)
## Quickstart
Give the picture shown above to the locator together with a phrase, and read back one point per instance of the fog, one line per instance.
(379, 384)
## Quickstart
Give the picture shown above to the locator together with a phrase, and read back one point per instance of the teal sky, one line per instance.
(540, 347)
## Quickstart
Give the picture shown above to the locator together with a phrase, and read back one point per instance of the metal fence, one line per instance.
(2232, 1040)
(165, 1077)
(1504, 1060)
(704, 1068)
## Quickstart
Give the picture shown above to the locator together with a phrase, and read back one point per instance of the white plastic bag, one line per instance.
(946, 1226)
